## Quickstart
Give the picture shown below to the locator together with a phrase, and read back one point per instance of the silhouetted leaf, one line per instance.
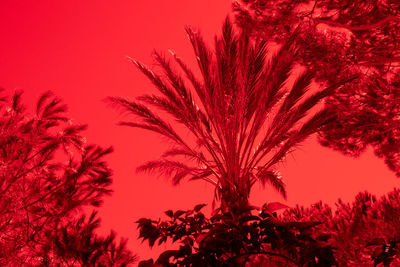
(275, 206)
(198, 207)
(169, 213)
(178, 213)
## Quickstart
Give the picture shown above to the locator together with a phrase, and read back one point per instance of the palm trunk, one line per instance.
(234, 202)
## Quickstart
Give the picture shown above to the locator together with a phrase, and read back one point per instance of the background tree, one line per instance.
(362, 232)
(47, 175)
(76, 243)
(244, 117)
(337, 39)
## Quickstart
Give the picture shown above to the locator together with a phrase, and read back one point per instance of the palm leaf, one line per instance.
(175, 169)
(151, 121)
(273, 178)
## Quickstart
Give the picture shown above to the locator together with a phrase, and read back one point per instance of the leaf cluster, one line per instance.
(224, 239)
(77, 244)
(362, 232)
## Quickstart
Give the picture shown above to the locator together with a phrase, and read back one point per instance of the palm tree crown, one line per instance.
(241, 113)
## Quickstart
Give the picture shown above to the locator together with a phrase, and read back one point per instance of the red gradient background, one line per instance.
(78, 50)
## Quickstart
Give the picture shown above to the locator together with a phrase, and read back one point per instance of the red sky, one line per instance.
(78, 50)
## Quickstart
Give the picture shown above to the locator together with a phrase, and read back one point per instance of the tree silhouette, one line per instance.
(47, 175)
(362, 232)
(76, 243)
(351, 37)
(243, 115)
(255, 237)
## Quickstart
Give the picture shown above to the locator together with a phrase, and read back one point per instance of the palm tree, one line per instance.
(243, 117)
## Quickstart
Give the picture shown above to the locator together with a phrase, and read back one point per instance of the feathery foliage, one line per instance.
(47, 174)
(243, 116)
(363, 232)
(76, 243)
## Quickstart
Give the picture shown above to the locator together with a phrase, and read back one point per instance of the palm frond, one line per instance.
(299, 88)
(175, 169)
(158, 82)
(151, 121)
(189, 154)
(204, 60)
(43, 98)
(202, 174)
(16, 104)
(312, 100)
(273, 178)
(176, 81)
(197, 85)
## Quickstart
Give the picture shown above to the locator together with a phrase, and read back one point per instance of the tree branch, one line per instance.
(357, 28)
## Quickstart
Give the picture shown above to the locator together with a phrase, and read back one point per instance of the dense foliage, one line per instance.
(256, 237)
(337, 39)
(47, 175)
(368, 230)
(363, 233)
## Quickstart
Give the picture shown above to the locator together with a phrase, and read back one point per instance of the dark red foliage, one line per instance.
(254, 237)
(47, 175)
(76, 243)
(365, 231)
(337, 39)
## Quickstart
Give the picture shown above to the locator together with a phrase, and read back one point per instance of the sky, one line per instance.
(79, 49)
